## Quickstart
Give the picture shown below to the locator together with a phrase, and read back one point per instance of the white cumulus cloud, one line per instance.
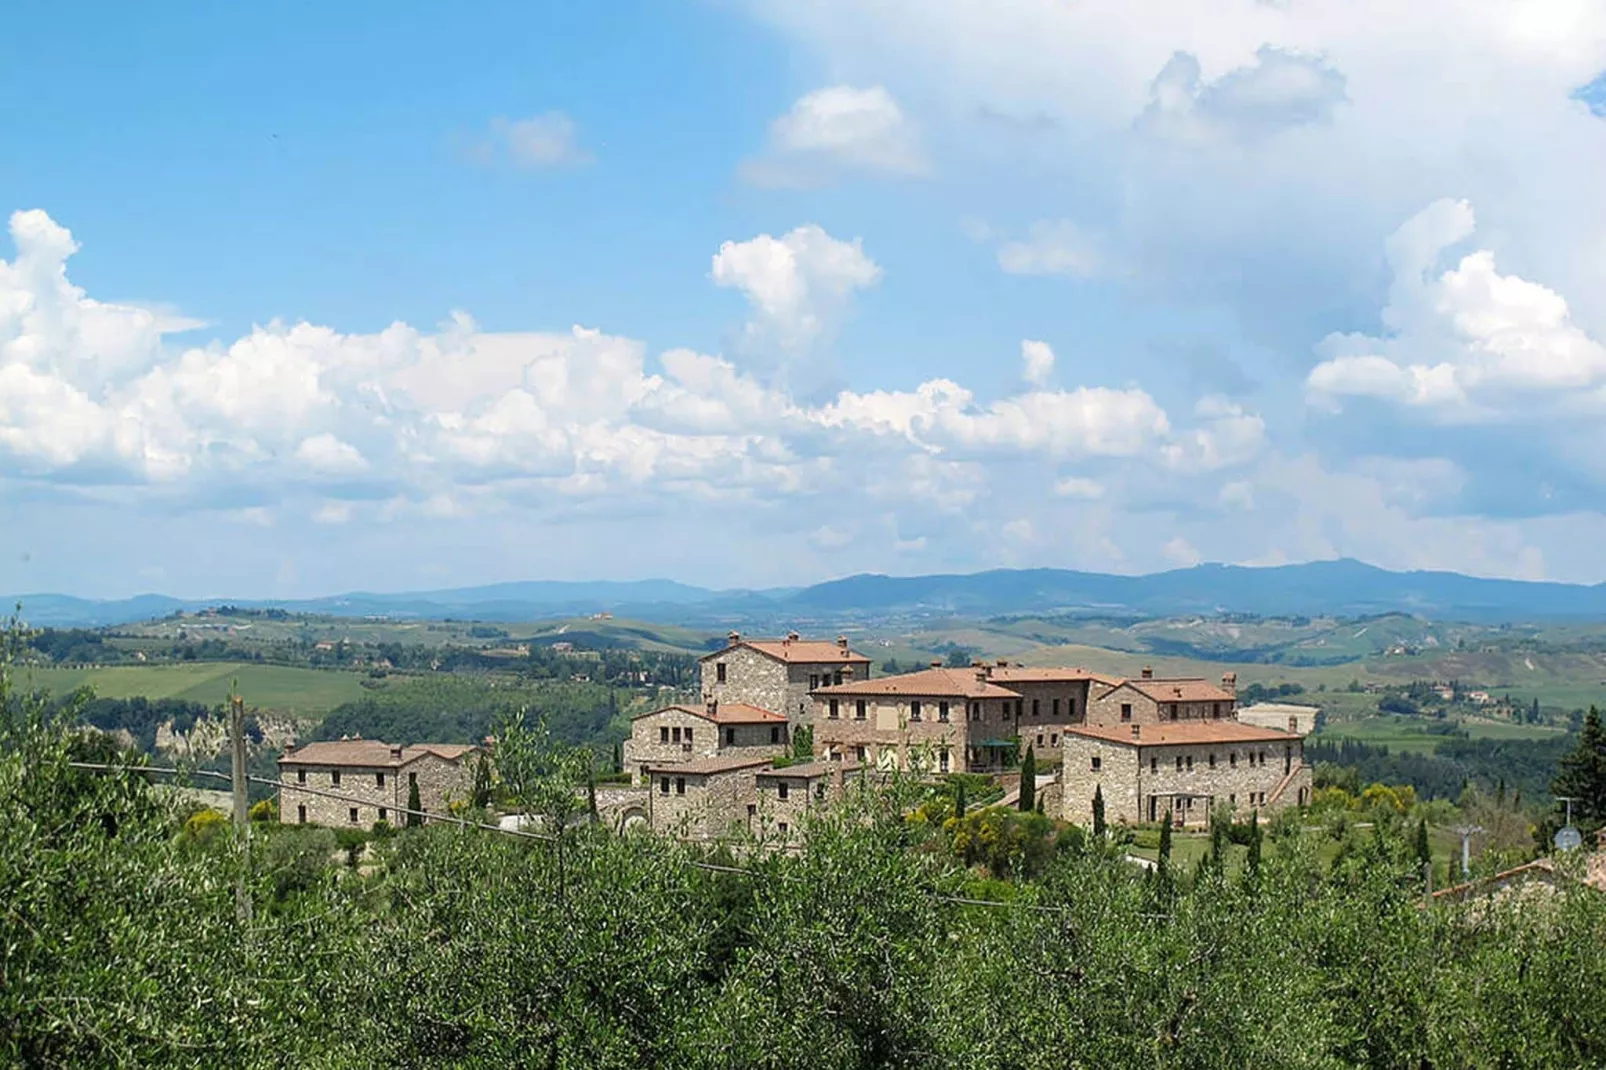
(797, 284)
(836, 131)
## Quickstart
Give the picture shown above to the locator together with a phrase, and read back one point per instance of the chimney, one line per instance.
(1229, 683)
(733, 638)
(936, 663)
(791, 637)
(1003, 663)
(395, 752)
(842, 643)
(847, 674)
(1148, 673)
(712, 706)
(1137, 731)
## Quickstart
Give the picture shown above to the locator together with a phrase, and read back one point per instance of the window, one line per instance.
(782, 791)
(301, 776)
(1098, 763)
(379, 780)
(1039, 739)
(1212, 759)
(730, 737)
(1173, 711)
(833, 709)
(860, 710)
(836, 677)
(688, 735)
(1179, 763)
(353, 813)
(384, 814)
(942, 760)
(1190, 763)
(674, 734)
(1019, 704)
(858, 753)
(1053, 739)
(663, 734)
(1126, 711)
(334, 777)
(301, 815)
(412, 778)
(752, 808)
(680, 785)
(775, 733)
(1036, 708)
(1215, 711)
(975, 711)
(1232, 800)
(663, 786)
(1056, 708)
(719, 672)
(819, 790)
(942, 711)
(1154, 765)
(914, 710)
(782, 827)
(1232, 759)
(814, 681)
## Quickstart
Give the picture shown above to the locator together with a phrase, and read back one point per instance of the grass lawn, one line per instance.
(279, 688)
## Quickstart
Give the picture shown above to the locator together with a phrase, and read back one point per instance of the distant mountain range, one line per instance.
(1320, 588)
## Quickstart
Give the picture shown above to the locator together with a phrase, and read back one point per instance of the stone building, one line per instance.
(955, 719)
(1052, 700)
(368, 781)
(785, 796)
(704, 799)
(1151, 700)
(1185, 767)
(687, 733)
(779, 674)
(1299, 720)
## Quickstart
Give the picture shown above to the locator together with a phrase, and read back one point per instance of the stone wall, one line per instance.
(701, 807)
(1233, 774)
(440, 782)
(1048, 708)
(1147, 710)
(884, 733)
(750, 677)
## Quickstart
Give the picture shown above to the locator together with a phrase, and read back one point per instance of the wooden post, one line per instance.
(242, 812)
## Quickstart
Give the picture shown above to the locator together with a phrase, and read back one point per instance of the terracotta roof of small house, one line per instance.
(1032, 674)
(370, 753)
(706, 766)
(927, 683)
(1181, 690)
(1172, 733)
(723, 713)
(810, 770)
(811, 651)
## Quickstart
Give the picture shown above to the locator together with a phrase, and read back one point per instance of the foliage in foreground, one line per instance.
(461, 948)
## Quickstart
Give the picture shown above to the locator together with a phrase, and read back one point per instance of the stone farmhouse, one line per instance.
(372, 779)
(1148, 769)
(715, 798)
(688, 733)
(1151, 700)
(938, 719)
(779, 674)
(1052, 700)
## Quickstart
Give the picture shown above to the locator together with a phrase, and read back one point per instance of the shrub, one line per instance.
(266, 810)
(205, 825)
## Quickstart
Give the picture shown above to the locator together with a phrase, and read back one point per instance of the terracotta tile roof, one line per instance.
(821, 651)
(706, 766)
(724, 713)
(1175, 732)
(810, 770)
(1028, 674)
(1182, 690)
(927, 683)
(369, 753)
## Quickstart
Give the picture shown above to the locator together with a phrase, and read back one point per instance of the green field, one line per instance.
(1410, 733)
(276, 688)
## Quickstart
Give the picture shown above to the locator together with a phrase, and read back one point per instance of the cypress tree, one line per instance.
(959, 800)
(1028, 780)
(591, 791)
(1252, 863)
(481, 795)
(414, 804)
(1098, 811)
(1165, 841)
(1582, 774)
(1424, 852)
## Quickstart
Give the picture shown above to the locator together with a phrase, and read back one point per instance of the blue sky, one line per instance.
(309, 298)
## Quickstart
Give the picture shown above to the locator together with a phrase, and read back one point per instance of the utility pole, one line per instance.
(242, 813)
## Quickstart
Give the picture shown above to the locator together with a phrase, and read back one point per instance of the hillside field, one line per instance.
(301, 693)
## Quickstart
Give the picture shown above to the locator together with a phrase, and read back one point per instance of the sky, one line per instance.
(298, 299)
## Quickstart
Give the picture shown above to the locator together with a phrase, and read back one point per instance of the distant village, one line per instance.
(784, 724)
